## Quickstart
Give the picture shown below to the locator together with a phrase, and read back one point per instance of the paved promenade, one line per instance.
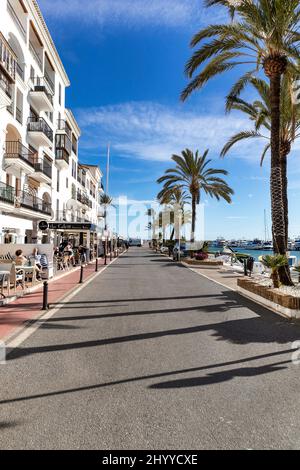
(152, 355)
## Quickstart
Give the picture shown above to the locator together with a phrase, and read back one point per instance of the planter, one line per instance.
(207, 263)
(284, 304)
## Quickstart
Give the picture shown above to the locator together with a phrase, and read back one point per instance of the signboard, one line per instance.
(72, 226)
(43, 225)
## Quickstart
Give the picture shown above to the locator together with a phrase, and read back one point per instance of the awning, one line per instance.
(81, 227)
(10, 222)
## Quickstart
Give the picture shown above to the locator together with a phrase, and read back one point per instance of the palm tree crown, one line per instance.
(263, 35)
(192, 173)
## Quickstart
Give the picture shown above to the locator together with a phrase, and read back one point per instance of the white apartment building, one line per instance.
(40, 176)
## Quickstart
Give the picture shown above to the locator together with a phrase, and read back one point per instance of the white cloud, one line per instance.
(151, 131)
(128, 12)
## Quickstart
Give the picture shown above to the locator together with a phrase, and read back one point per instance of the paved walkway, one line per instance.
(14, 314)
(151, 355)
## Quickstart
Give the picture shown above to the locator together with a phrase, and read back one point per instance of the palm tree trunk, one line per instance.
(194, 203)
(285, 195)
(277, 204)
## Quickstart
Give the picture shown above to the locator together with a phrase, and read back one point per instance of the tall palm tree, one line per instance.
(105, 201)
(260, 113)
(264, 37)
(192, 173)
(174, 199)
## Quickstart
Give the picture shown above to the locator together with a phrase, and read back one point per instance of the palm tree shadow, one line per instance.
(219, 377)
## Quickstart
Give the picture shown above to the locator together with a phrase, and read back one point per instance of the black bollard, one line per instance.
(45, 296)
(96, 269)
(245, 268)
(81, 274)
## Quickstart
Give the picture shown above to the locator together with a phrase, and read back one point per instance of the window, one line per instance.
(67, 183)
(58, 175)
(57, 209)
(59, 93)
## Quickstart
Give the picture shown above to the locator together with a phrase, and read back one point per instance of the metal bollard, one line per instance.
(45, 296)
(81, 274)
(96, 269)
(110, 255)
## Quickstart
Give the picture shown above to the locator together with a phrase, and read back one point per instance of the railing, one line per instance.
(40, 84)
(63, 126)
(8, 59)
(38, 124)
(74, 146)
(23, 199)
(20, 71)
(43, 167)
(7, 193)
(32, 202)
(35, 55)
(15, 149)
(62, 142)
(19, 115)
(49, 81)
(61, 154)
(16, 20)
(5, 85)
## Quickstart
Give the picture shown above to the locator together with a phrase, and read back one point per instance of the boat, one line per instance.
(297, 244)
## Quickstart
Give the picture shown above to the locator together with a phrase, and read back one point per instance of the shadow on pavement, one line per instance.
(232, 373)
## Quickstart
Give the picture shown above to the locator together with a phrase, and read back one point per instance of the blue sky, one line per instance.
(125, 60)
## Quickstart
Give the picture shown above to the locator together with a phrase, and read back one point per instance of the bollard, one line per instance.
(110, 255)
(45, 296)
(96, 269)
(81, 274)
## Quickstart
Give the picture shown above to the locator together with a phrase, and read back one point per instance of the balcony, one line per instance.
(41, 94)
(23, 200)
(7, 194)
(8, 60)
(62, 127)
(5, 92)
(43, 171)
(62, 159)
(82, 198)
(29, 201)
(62, 150)
(40, 132)
(19, 157)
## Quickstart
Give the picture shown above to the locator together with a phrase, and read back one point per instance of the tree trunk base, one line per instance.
(285, 276)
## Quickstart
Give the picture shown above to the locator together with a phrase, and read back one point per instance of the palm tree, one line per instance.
(174, 199)
(264, 37)
(260, 113)
(192, 173)
(105, 201)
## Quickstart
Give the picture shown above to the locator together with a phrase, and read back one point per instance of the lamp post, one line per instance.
(105, 234)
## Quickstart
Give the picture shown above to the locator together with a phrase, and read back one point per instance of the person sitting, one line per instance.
(20, 260)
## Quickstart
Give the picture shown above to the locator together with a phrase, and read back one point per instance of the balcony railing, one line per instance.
(30, 201)
(35, 55)
(61, 154)
(43, 167)
(24, 199)
(49, 82)
(5, 85)
(62, 142)
(63, 126)
(16, 20)
(41, 84)
(7, 193)
(19, 115)
(38, 124)
(15, 149)
(8, 59)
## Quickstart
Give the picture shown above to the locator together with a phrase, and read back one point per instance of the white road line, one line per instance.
(31, 326)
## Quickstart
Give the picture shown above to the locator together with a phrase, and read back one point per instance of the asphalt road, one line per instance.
(151, 355)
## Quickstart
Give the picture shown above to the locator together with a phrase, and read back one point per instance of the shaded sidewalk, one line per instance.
(29, 307)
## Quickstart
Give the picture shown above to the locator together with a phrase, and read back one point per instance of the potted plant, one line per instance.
(274, 262)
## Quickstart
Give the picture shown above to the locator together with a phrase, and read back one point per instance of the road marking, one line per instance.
(30, 327)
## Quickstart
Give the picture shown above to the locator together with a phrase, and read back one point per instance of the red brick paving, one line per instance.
(13, 315)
